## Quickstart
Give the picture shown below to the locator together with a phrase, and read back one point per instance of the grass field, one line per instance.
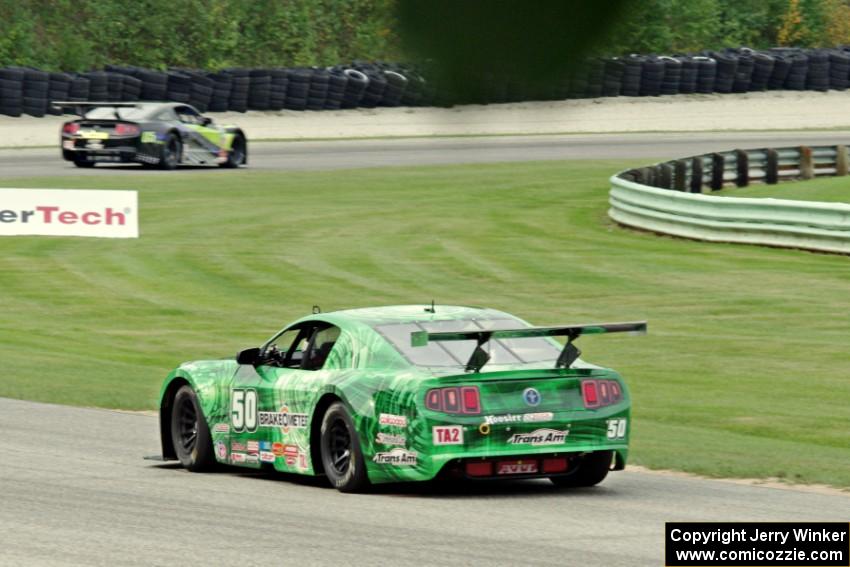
(745, 371)
(830, 189)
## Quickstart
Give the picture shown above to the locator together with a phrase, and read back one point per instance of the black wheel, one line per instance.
(190, 433)
(171, 151)
(592, 469)
(341, 455)
(238, 154)
(83, 163)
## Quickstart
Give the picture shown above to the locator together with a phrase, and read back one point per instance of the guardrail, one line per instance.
(669, 198)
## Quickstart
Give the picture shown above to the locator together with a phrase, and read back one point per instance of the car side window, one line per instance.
(319, 348)
(188, 115)
(166, 116)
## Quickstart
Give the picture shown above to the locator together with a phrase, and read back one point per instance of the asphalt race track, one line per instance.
(77, 491)
(343, 154)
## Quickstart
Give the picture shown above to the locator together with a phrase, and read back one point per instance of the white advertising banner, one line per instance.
(69, 212)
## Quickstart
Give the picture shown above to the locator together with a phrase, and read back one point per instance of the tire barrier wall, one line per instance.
(361, 84)
(669, 198)
(30, 91)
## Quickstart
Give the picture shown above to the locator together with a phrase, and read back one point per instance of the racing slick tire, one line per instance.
(190, 433)
(238, 154)
(172, 149)
(591, 471)
(342, 457)
(84, 163)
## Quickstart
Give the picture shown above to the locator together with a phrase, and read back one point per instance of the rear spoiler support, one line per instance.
(568, 355)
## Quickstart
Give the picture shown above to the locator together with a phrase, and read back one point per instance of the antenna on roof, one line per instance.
(430, 309)
(316, 310)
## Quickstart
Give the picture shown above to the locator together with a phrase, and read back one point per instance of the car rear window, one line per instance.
(457, 353)
(108, 113)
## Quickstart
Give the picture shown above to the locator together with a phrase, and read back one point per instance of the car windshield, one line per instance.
(457, 353)
(108, 113)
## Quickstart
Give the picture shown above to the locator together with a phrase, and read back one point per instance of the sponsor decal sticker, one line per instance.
(69, 212)
(540, 437)
(519, 418)
(265, 446)
(284, 420)
(277, 449)
(448, 435)
(148, 137)
(253, 446)
(516, 467)
(390, 419)
(396, 457)
(237, 446)
(252, 458)
(531, 396)
(388, 439)
(267, 457)
(221, 428)
(221, 450)
(237, 457)
(617, 428)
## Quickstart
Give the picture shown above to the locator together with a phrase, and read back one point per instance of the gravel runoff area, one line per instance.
(776, 110)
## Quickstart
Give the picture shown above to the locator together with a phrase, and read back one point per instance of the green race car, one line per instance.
(404, 393)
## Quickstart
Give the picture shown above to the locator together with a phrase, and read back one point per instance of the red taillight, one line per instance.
(465, 400)
(588, 388)
(558, 465)
(600, 393)
(70, 128)
(604, 398)
(471, 400)
(122, 129)
(479, 469)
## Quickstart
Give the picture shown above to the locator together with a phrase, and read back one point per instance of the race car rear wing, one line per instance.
(568, 355)
(80, 108)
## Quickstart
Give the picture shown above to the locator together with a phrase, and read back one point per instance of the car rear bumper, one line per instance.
(110, 150)
(565, 435)
(113, 155)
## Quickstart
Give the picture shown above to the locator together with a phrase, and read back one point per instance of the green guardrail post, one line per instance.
(841, 160)
(696, 174)
(771, 168)
(742, 161)
(807, 166)
(718, 164)
(665, 176)
(680, 171)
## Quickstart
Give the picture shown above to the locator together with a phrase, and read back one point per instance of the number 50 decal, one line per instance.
(616, 428)
(243, 410)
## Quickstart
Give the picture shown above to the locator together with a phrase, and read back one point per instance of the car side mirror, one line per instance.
(206, 120)
(248, 356)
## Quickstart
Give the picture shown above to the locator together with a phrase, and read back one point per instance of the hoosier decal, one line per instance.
(519, 418)
(283, 419)
(540, 437)
(396, 457)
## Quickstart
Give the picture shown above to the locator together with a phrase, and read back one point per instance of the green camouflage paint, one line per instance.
(385, 396)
